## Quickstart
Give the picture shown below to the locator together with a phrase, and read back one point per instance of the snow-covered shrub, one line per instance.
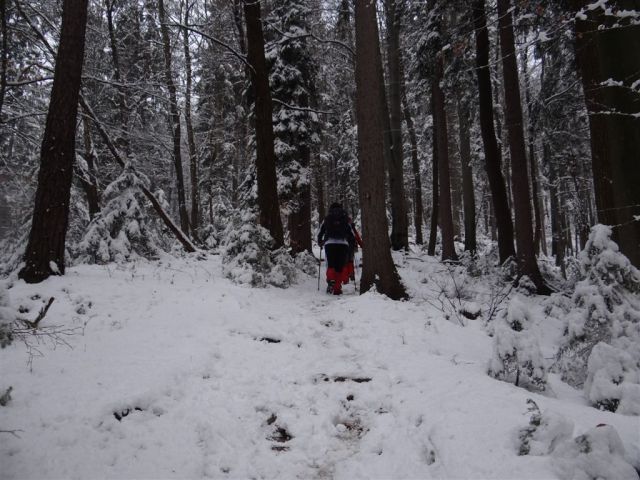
(12, 249)
(544, 431)
(247, 256)
(517, 357)
(612, 379)
(306, 262)
(605, 308)
(597, 454)
(122, 230)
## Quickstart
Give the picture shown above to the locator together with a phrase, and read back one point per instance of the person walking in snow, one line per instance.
(335, 236)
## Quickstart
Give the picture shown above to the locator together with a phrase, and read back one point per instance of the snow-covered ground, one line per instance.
(178, 373)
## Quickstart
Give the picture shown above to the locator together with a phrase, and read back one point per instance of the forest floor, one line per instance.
(175, 372)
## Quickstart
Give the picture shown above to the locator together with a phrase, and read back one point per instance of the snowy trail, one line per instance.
(214, 380)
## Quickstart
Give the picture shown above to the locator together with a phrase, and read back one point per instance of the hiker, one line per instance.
(354, 243)
(335, 236)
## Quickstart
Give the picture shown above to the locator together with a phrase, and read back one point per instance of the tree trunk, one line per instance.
(268, 203)
(538, 240)
(399, 219)
(433, 224)
(492, 154)
(418, 207)
(379, 270)
(468, 194)
(122, 140)
(45, 250)
(191, 141)
(444, 200)
(174, 119)
(455, 174)
(609, 64)
(527, 264)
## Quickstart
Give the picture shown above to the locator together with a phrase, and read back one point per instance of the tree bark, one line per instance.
(399, 218)
(45, 250)
(538, 235)
(492, 154)
(268, 203)
(527, 264)
(174, 119)
(418, 207)
(122, 139)
(609, 65)
(468, 194)
(444, 201)
(433, 227)
(379, 270)
(191, 141)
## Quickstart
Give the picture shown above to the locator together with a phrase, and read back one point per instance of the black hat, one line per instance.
(335, 205)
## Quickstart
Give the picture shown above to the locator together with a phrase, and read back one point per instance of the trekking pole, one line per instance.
(355, 272)
(319, 268)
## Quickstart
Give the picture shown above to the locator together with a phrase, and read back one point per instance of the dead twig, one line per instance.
(41, 315)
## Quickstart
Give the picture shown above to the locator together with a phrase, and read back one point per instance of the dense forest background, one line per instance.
(513, 122)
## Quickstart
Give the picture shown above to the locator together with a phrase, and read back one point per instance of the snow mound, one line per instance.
(597, 454)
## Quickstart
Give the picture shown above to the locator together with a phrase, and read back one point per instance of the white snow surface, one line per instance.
(187, 360)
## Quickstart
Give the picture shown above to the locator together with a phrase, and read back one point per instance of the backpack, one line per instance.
(337, 225)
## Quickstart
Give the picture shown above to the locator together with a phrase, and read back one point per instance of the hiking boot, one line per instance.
(330, 284)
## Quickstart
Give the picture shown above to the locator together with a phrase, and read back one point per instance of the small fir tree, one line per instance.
(122, 230)
(601, 347)
(517, 357)
(248, 256)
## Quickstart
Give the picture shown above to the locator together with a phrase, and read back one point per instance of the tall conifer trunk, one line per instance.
(527, 264)
(268, 203)
(418, 207)
(174, 119)
(399, 219)
(444, 198)
(191, 141)
(492, 154)
(606, 56)
(378, 271)
(433, 226)
(470, 244)
(45, 250)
